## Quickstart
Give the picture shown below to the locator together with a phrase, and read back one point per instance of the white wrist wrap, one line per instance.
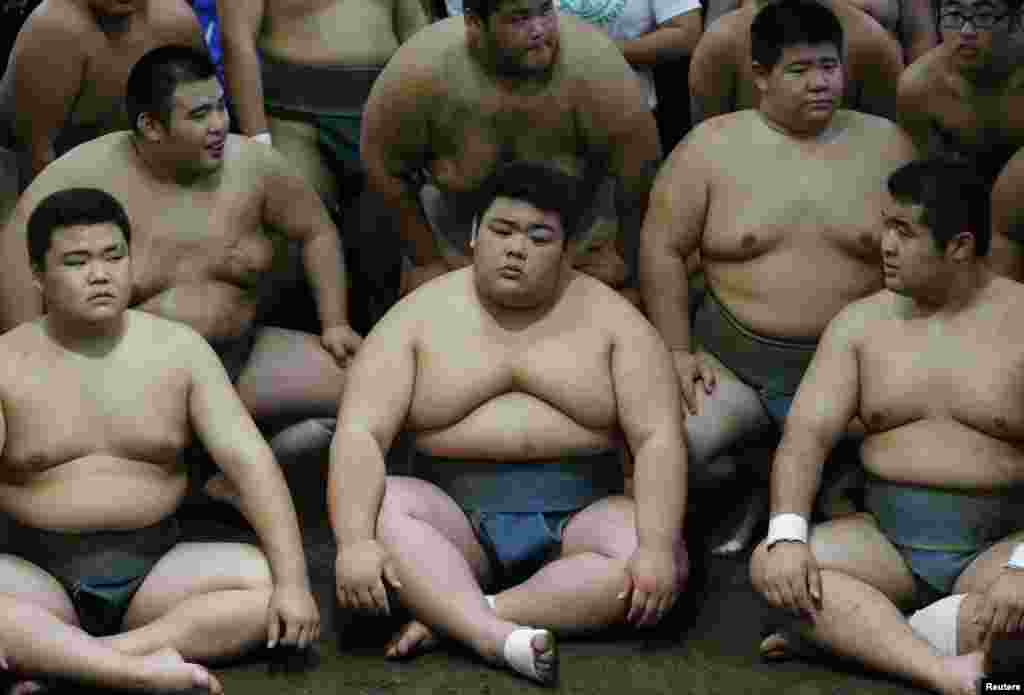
(787, 527)
(262, 137)
(1017, 557)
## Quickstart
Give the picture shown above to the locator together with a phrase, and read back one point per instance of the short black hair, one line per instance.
(954, 198)
(157, 74)
(789, 23)
(540, 185)
(69, 208)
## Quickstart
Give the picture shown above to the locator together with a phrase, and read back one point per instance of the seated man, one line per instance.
(65, 78)
(94, 583)
(780, 201)
(518, 395)
(204, 204)
(723, 80)
(965, 98)
(932, 366)
(911, 22)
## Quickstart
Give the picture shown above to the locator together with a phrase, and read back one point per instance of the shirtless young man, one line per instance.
(518, 410)
(94, 584)
(946, 471)
(965, 98)
(910, 22)
(512, 79)
(66, 76)
(202, 202)
(723, 79)
(782, 202)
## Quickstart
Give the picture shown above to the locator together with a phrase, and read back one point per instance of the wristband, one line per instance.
(1016, 557)
(787, 527)
(263, 137)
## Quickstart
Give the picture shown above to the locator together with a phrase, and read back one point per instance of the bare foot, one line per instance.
(963, 671)
(413, 639)
(165, 671)
(780, 646)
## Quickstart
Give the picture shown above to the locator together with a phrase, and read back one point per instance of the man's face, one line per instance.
(87, 273)
(518, 252)
(523, 36)
(805, 88)
(977, 30)
(911, 261)
(198, 127)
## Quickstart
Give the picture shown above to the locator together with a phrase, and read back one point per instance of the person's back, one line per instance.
(66, 76)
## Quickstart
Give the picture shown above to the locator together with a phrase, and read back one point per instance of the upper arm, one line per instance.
(911, 101)
(44, 101)
(713, 9)
(829, 393)
(291, 206)
(679, 201)
(379, 385)
(1006, 256)
(685, 23)
(646, 386)
(917, 28)
(713, 75)
(240, 21)
(394, 138)
(879, 66)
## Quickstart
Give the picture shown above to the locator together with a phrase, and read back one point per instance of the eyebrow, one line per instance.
(205, 106)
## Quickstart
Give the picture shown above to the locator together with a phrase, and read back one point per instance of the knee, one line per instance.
(254, 569)
(398, 504)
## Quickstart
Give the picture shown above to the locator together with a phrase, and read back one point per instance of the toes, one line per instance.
(775, 647)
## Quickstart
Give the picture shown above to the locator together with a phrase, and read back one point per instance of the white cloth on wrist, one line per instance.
(263, 137)
(787, 527)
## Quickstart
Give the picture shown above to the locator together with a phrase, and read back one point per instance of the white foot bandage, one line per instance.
(937, 624)
(520, 657)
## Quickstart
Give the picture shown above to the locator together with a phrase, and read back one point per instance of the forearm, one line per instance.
(631, 208)
(41, 154)
(665, 288)
(266, 503)
(325, 268)
(796, 472)
(659, 483)
(400, 200)
(245, 84)
(355, 486)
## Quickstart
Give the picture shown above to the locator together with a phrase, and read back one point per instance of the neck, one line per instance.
(955, 292)
(162, 170)
(512, 81)
(88, 338)
(823, 132)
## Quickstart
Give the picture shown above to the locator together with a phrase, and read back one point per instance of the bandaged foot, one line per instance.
(937, 624)
(532, 653)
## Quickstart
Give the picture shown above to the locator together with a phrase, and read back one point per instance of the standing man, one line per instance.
(782, 203)
(722, 78)
(518, 411)
(510, 80)
(932, 365)
(203, 204)
(95, 586)
(965, 98)
(65, 78)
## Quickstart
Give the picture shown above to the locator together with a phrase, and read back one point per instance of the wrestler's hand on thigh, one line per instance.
(692, 368)
(788, 577)
(342, 342)
(1001, 610)
(652, 585)
(294, 620)
(360, 572)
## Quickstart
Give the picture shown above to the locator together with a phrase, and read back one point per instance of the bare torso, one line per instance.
(330, 32)
(109, 55)
(204, 248)
(940, 397)
(790, 241)
(484, 391)
(94, 441)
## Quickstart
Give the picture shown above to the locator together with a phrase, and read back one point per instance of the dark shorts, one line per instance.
(235, 354)
(100, 570)
(940, 532)
(519, 510)
(771, 366)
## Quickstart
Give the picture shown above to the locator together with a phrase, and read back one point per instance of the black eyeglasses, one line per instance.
(956, 19)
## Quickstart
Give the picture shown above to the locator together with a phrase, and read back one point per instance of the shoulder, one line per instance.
(859, 318)
(615, 315)
(920, 76)
(588, 54)
(175, 18)
(59, 28)
(94, 164)
(726, 34)
(176, 343)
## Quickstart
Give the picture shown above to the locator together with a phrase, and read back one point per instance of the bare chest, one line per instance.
(110, 59)
(58, 414)
(933, 372)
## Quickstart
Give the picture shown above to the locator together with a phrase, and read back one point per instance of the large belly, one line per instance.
(96, 493)
(353, 32)
(514, 427)
(944, 454)
(784, 294)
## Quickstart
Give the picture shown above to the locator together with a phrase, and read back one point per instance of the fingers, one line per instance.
(391, 575)
(273, 628)
(689, 396)
(708, 376)
(380, 599)
(814, 580)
